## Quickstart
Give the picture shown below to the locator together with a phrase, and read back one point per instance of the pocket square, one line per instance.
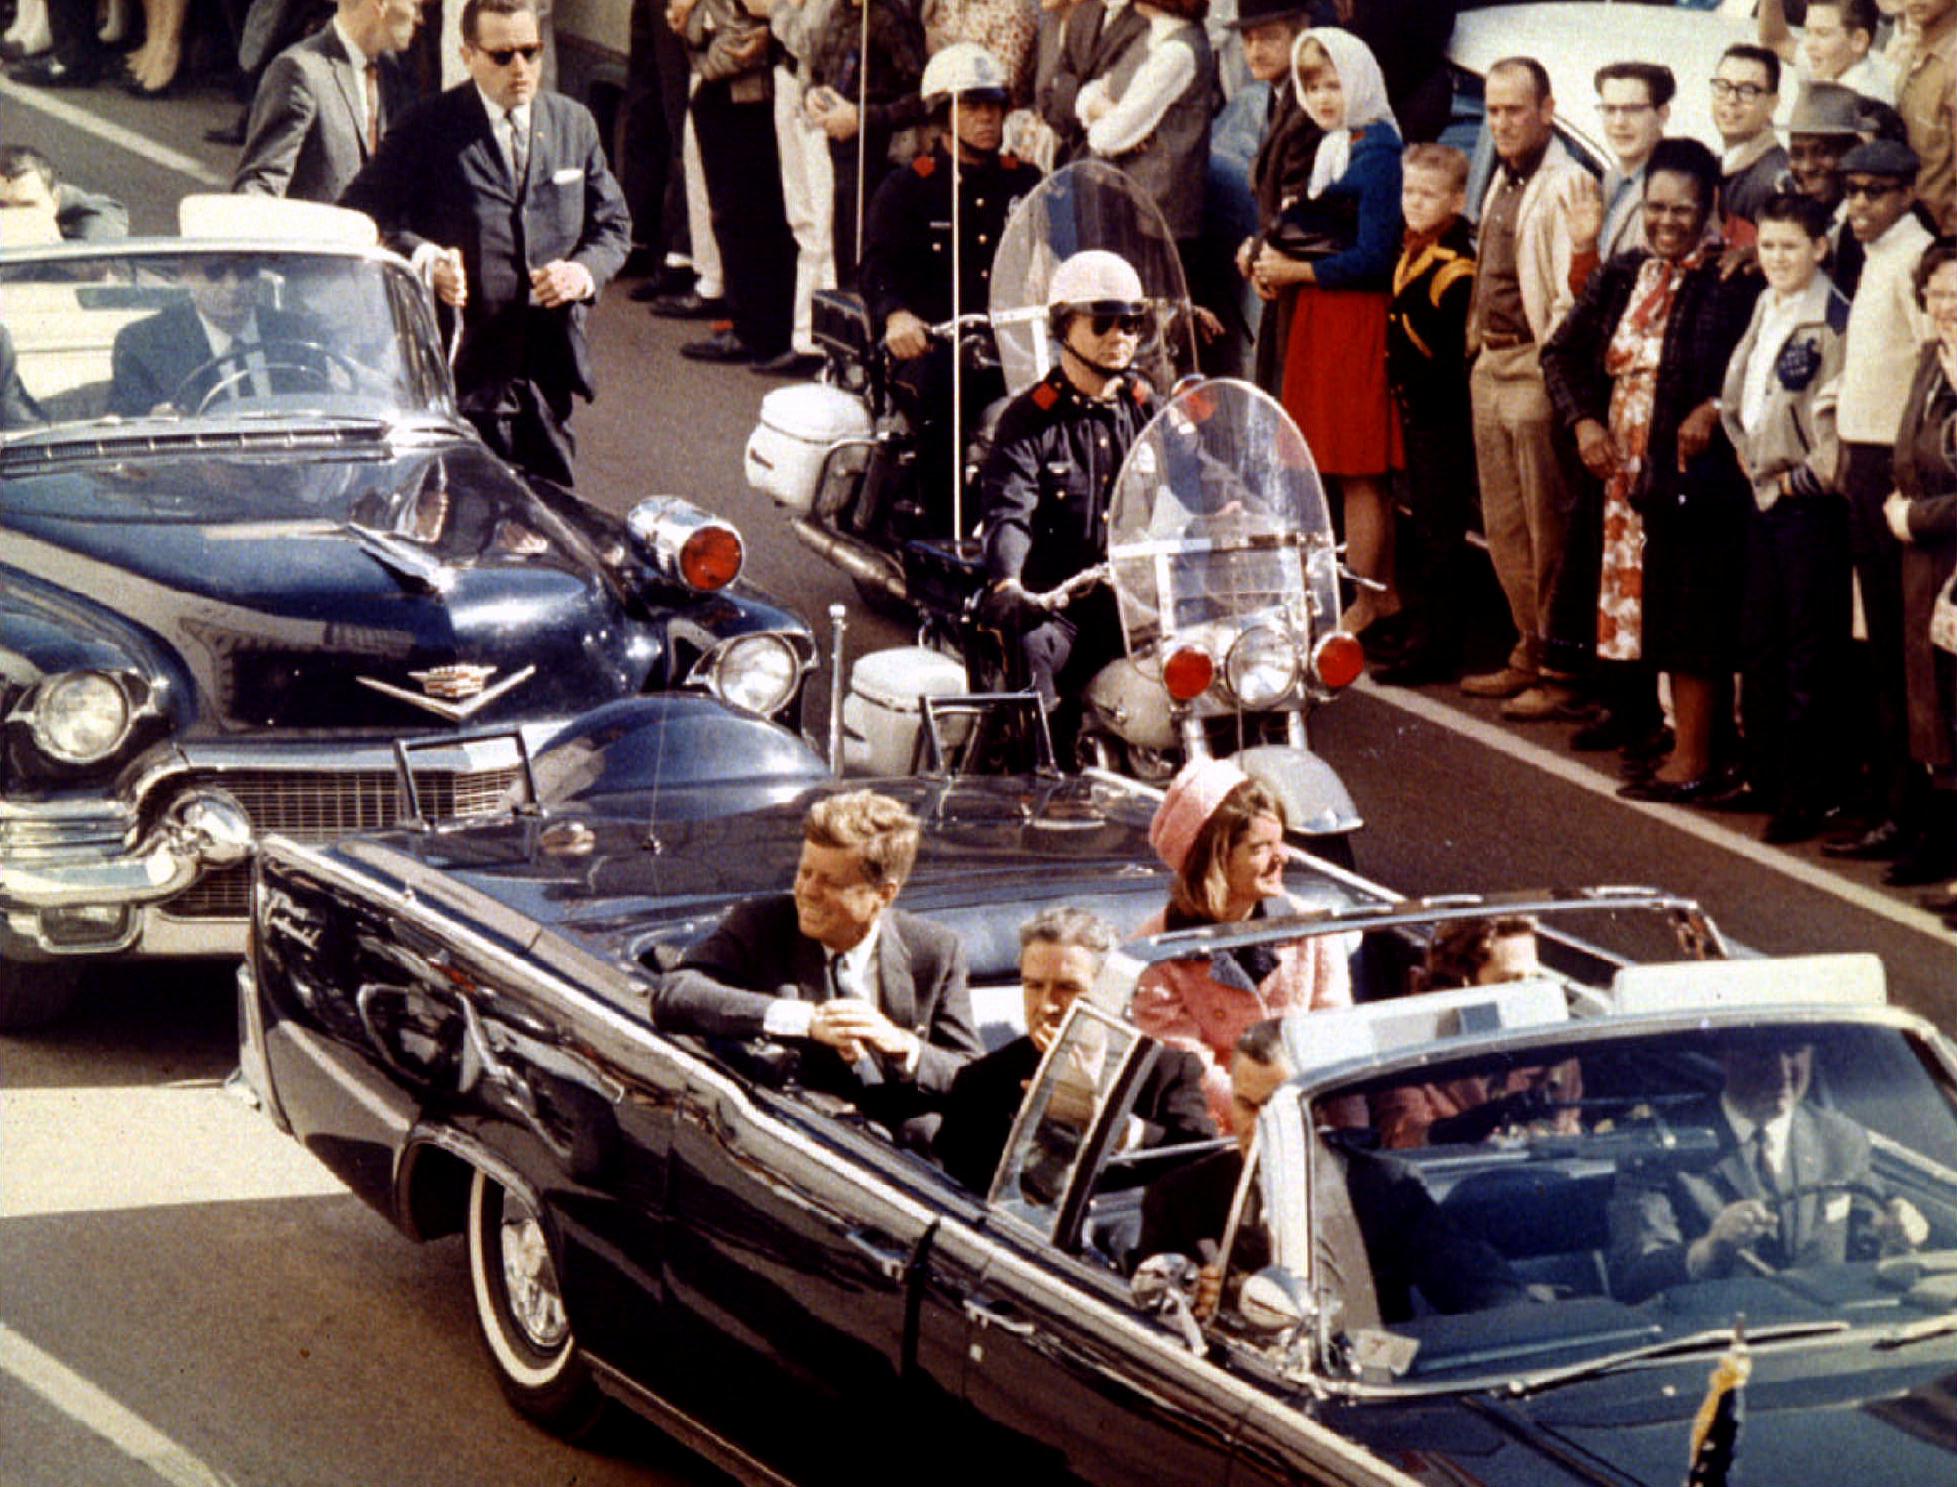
(567, 175)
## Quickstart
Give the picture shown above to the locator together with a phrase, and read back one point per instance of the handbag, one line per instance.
(1294, 240)
(1943, 617)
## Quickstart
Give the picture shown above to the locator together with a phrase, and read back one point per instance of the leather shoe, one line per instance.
(669, 280)
(1790, 825)
(1508, 682)
(790, 363)
(1920, 866)
(1871, 844)
(720, 346)
(1941, 900)
(1674, 792)
(50, 71)
(1548, 702)
(1740, 798)
(688, 306)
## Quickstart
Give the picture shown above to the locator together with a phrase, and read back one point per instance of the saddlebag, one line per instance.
(807, 433)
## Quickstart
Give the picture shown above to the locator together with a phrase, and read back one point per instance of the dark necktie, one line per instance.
(519, 150)
(373, 106)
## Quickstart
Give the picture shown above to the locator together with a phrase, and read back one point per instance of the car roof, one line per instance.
(1574, 38)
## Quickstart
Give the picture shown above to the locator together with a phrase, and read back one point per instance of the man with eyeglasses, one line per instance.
(500, 195)
(217, 345)
(1745, 92)
(1634, 100)
(1885, 330)
(1045, 490)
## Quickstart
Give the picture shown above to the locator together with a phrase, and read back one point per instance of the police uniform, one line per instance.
(1044, 497)
(907, 266)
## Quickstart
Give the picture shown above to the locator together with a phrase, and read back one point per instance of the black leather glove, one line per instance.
(1004, 607)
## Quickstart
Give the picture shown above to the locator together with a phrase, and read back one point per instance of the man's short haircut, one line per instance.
(17, 160)
(1066, 925)
(474, 10)
(1263, 1043)
(1443, 160)
(1792, 206)
(1686, 157)
(1461, 947)
(1537, 74)
(1941, 251)
(1856, 15)
(880, 830)
(1659, 84)
(1769, 60)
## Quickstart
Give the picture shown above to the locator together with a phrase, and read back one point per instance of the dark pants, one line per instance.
(1867, 478)
(527, 427)
(72, 23)
(652, 129)
(924, 390)
(842, 166)
(1062, 655)
(757, 251)
(1794, 643)
(1433, 542)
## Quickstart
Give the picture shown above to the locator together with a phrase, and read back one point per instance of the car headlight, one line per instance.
(757, 672)
(81, 718)
(1261, 667)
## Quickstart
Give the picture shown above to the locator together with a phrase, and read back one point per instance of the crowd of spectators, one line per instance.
(1699, 409)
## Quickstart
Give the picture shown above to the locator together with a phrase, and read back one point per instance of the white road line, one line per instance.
(1686, 820)
(87, 1405)
(41, 100)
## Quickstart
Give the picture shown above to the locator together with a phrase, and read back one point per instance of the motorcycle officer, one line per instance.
(906, 277)
(1046, 486)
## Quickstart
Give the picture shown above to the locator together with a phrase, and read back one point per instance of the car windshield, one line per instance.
(1533, 1212)
(211, 338)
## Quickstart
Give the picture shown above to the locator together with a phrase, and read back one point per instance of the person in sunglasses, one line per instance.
(499, 193)
(218, 344)
(1044, 492)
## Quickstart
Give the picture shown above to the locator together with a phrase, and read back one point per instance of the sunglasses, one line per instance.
(502, 56)
(1873, 190)
(1106, 322)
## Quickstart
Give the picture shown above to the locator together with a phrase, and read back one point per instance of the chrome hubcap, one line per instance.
(530, 1281)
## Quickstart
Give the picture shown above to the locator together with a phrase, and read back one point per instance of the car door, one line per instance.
(1063, 1377)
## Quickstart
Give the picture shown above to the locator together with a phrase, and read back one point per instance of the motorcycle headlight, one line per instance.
(1261, 667)
(81, 718)
(757, 672)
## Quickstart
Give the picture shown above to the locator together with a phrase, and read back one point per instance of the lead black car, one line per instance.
(218, 616)
(455, 1021)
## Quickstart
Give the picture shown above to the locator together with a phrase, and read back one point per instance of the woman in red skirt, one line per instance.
(1337, 244)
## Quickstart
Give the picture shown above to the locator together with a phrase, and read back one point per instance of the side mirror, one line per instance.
(1273, 1301)
(1161, 1287)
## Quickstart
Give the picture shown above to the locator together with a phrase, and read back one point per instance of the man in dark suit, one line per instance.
(1089, 44)
(215, 344)
(500, 194)
(1061, 951)
(324, 103)
(877, 997)
(1777, 1198)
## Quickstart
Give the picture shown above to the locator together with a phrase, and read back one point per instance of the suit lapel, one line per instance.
(896, 992)
(340, 64)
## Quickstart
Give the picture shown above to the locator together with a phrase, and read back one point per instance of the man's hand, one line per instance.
(1696, 432)
(1596, 448)
(1209, 1291)
(838, 121)
(560, 282)
(1208, 327)
(1737, 1226)
(1741, 258)
(850, 1024)
(1901, 1229)
(1895, 511)
(750, 49)
(1244, 269)
(907, 337)
(451, 287)
(1586, 214)
(677, 11)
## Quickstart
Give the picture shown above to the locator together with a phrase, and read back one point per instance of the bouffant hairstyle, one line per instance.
(880, 830)
(1940, 252)
(1202, 888)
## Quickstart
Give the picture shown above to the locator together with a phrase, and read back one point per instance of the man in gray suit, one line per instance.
(324, 103)
(876, 997)
(1779, 1197)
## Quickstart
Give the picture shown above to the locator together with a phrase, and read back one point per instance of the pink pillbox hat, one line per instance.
(1197, 790)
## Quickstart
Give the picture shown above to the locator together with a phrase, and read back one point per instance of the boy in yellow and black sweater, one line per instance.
(1427, 365)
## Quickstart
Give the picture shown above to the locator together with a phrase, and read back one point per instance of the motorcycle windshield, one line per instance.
(1219, 522)
(1089, 204)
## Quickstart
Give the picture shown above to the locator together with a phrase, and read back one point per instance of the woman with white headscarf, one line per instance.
(1338, 244)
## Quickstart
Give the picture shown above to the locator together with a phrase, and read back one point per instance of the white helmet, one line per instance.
(1096, 280)
(967, 70)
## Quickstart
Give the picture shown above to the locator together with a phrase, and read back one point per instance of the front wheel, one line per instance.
(520, 1313)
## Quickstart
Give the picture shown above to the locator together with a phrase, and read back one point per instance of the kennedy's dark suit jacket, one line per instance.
(440, 178)
(152, 357)
(1656, 1214)
(987, 1093)
(759, 952)
(308, 134)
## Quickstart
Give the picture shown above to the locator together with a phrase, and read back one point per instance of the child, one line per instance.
(1427, 366)
(1778, 406)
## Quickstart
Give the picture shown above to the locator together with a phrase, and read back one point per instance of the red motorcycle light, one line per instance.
(1188, 672)
(711, 558)
(1338, 660)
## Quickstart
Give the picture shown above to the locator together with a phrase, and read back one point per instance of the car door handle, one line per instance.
(998, 1314)
(886, 1257)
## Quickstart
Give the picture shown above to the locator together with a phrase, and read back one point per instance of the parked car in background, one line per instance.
(457, 1022)
(231, 586)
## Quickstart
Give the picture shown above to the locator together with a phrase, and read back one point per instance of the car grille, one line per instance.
(314, 807)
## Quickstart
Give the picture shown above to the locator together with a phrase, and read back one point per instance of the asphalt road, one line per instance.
(188, 1296)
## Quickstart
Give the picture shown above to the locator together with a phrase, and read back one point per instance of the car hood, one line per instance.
(1811, 1414)
(366, 591)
